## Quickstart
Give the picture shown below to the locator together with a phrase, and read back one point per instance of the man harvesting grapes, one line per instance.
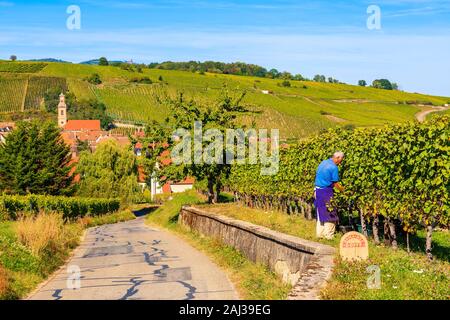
(327, 178)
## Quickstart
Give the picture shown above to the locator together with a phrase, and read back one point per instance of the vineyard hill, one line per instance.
(298, 110)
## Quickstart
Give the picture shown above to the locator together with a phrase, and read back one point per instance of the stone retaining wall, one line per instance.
(305, 264)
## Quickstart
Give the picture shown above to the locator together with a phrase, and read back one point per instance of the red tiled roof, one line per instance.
(121, 140)
(72, 173)
(166, 188)
(68, 138)
(139, 134)
(141, 172)
(79, 125)
(188, 180)
(91, 136)
(165, 158)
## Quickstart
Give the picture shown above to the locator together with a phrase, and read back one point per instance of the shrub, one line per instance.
(144, 80)
(17, 257)
(163, 197)
(120, 216)
(3, 281)
(70, 207)
(349, 127)
(143, 197)
(42, 232)
(94, 79)
(285, 83)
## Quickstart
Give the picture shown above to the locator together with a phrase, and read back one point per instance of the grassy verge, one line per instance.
(120, 216)
(403, 275)
(32, 248)
(253, 281)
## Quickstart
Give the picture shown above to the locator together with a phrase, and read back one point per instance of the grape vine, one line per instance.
(396, 173)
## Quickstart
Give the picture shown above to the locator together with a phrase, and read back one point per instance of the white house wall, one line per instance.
(177, 188)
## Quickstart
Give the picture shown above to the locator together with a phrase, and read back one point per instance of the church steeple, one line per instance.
(62, 111)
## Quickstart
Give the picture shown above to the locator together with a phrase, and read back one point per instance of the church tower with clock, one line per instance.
(62, 111)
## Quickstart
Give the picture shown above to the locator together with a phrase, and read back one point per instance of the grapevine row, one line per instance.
(38, 87)
(396, 173)
(21, 67)
(71, 207)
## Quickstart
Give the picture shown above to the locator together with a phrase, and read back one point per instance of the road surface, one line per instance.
(421, 116)
(133, 261)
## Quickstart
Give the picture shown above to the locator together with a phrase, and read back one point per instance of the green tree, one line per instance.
(13, 58)
(51, 98)
(94, 79)
(382, 84)
(82, 146)
(144, 80)
(285, 83)
(184, 113)
(103, 62)
(286, 76)
(319, 78)
(273, 74)
(109, 172)
(35, 159)
(362, 83)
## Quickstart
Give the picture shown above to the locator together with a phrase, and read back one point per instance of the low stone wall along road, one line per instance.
(133, 261)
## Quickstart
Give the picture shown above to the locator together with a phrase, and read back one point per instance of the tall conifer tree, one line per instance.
(34, 159)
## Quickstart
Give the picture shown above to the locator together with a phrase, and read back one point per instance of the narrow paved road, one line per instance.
(422, 116)
(133, 261)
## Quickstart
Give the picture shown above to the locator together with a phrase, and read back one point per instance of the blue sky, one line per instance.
(307, 37)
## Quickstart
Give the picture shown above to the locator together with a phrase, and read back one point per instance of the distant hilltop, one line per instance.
(97, 61)
(49, 60)
(93, 62)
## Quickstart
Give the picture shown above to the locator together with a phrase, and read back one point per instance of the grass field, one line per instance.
(298, 111)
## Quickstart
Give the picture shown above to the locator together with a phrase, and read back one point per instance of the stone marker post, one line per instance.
(354, 246)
